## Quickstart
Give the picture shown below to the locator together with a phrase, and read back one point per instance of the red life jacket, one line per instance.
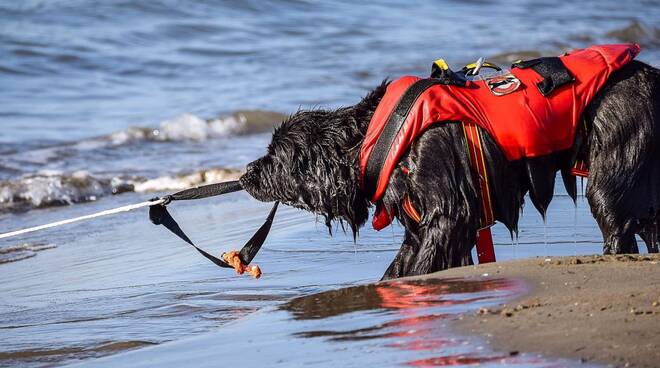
(524, 122)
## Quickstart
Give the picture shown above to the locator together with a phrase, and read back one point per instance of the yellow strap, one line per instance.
(484, 65)
(442, 64)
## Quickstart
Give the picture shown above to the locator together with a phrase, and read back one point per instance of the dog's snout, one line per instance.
(251, 176)
(251, 171)
(251, 168)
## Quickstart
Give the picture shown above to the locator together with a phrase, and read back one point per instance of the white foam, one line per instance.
(228, 125)
(52, 187)
(133, 134)
(191, 127)
(184, 127)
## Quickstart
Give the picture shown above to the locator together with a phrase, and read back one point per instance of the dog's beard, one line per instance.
(312, 169)
(318, 180)
(313, 163)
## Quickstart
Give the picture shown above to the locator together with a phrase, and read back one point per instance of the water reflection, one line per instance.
(401, 323)
(398, 295)
(408, 316)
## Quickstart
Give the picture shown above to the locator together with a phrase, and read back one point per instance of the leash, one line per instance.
(82, 218)
(159, 215)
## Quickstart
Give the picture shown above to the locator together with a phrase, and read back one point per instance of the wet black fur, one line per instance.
(312, 163)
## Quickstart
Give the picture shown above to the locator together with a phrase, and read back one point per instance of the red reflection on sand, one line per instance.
(450, 360)
(403, 296)
(421, 344)
(454, 360)
(417, 331)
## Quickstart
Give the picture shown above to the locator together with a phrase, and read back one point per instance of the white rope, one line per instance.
(82, 218)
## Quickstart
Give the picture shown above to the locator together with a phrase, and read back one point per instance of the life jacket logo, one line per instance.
(501, 85)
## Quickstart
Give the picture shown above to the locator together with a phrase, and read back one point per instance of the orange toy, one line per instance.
(233, 259)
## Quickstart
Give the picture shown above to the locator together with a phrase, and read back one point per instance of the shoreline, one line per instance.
(598, 309)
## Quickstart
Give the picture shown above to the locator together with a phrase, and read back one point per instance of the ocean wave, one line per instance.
(26, 159)
(637, 32)
(189, 127)
(51, 188)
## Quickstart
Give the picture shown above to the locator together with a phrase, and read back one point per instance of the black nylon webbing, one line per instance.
(392, 127)
(160, 216)
(552, 70)
(206, 191)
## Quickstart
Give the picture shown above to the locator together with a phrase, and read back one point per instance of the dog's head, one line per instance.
(312, 163)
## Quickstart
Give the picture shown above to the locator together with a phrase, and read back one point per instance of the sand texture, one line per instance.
(603, 309)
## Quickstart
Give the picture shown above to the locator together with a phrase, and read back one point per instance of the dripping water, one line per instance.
(545, 235)
(514, 244)
(575, 223)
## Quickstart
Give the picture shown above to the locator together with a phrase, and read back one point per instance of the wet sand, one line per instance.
(603, 309)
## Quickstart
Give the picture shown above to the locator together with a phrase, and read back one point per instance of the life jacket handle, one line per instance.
(474, 68)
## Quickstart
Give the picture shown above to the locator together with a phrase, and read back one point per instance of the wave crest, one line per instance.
(189, 127)
(637, 32)
(48, 189)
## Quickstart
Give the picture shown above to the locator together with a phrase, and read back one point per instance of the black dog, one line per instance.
(312, 163)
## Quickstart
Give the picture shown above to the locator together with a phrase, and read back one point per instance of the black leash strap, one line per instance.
(159, 215)
(206, 191)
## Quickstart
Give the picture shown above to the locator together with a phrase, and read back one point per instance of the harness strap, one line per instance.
(387, 139)
(410, 210)
(581, 155)
(485, 249)
(580, 169)
(552, 70)
(441, 72)
(474, 147)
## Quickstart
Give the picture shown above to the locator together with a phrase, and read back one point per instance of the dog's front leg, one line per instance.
(404, 258)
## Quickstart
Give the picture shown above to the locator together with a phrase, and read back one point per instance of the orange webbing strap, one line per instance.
(485, 249)
(410, 210)
(580, 169)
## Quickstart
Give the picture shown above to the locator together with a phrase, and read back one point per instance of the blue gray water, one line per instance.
(106, 103)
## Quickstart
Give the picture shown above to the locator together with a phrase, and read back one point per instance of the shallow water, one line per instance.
(106, 101)
(388, 324)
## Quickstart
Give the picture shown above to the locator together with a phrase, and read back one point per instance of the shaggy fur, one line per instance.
(312, 163)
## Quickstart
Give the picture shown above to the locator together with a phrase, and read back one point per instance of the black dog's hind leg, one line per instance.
(624, 175)
(651, 236)
(444, 243)
(404, 258)
(619, 241)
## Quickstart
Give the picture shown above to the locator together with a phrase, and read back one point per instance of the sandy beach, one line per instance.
(603, 309)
